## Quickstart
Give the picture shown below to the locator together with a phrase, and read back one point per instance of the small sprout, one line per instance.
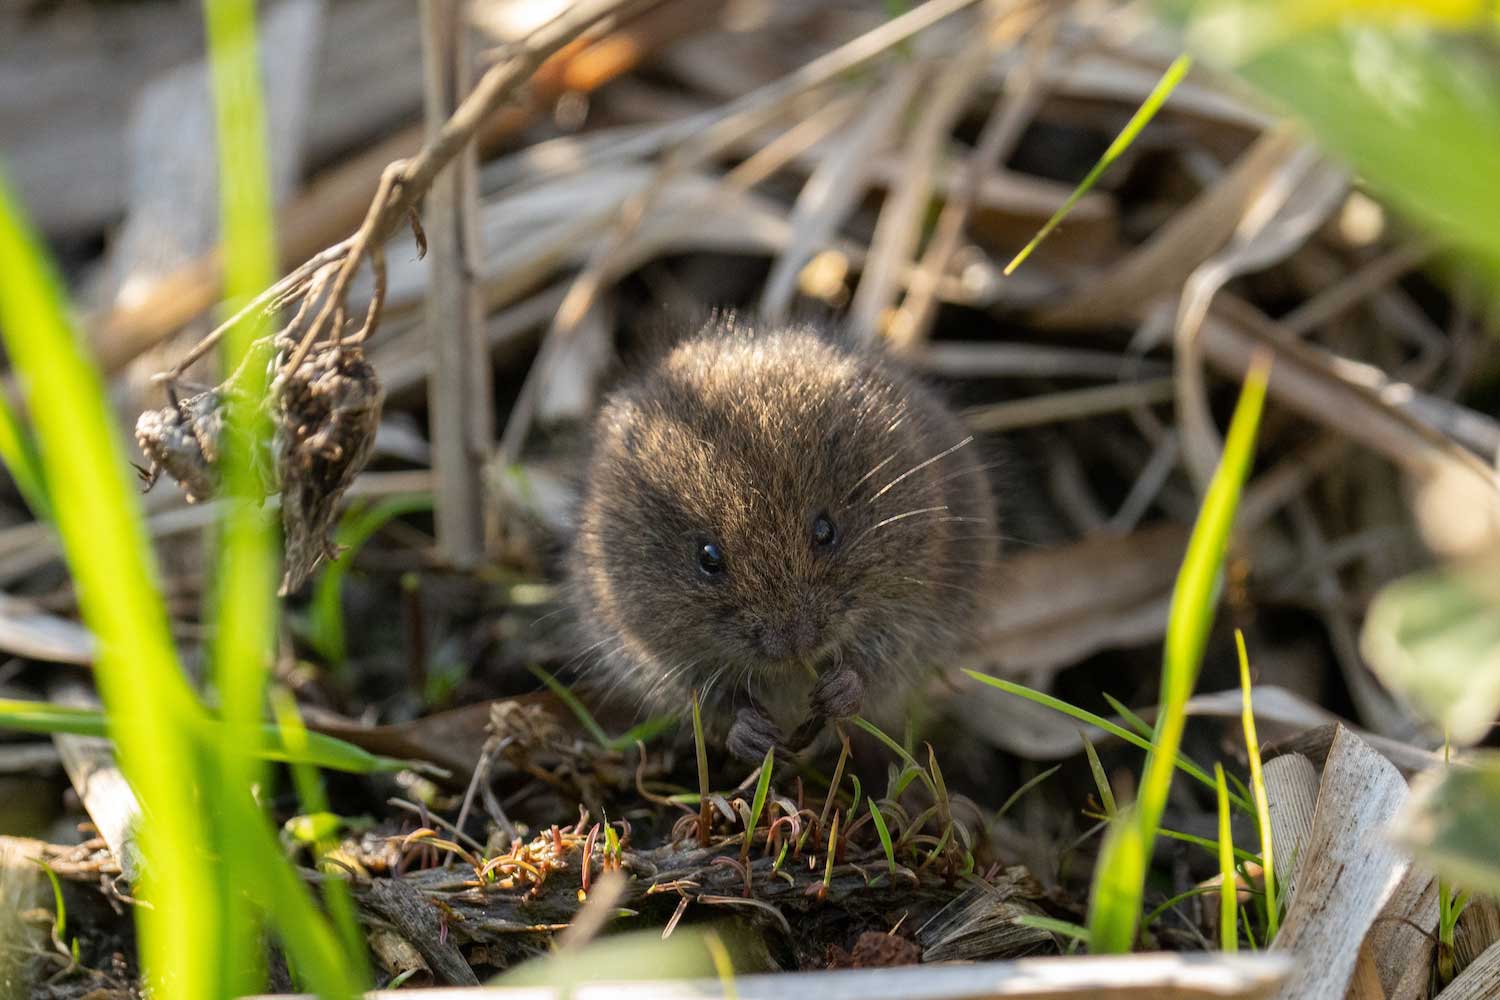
(762, 788)
(885, 837)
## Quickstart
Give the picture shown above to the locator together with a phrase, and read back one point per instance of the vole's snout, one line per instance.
(797, 635)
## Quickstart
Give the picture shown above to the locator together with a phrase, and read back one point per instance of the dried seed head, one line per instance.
(326, 413)
(182, 440)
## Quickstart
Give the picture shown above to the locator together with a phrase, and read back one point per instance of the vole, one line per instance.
(783, 520)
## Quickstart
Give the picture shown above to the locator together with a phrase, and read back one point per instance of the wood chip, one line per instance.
(1349, 872)
(1292, 794)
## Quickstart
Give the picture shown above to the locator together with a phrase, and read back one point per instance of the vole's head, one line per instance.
(761, 500)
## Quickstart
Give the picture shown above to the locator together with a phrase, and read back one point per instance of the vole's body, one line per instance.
(763, 505)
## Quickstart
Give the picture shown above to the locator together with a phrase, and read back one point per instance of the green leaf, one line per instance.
(1452, 821)
(1376, 92)
(1434, 640)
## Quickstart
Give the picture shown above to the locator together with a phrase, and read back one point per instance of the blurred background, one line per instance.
(1313, 184)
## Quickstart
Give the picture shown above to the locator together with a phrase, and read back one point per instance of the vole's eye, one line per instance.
(710, 559)
(824, 533)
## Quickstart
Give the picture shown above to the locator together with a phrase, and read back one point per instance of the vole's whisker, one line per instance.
(972, 470)
(1014, 539)
(920, 466)
(861, 481)
(942, 583)
(894, 518)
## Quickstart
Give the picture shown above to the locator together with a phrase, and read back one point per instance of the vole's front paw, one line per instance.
(839, 694)
(752, 734)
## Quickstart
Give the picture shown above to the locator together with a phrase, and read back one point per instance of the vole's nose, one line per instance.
(796, 636)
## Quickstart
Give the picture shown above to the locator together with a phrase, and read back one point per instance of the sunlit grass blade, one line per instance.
(1098, 721)
(242, 595)
(325, 610)
(1258, 789)
(98, 519)
(568, 698)
(1119, 878)
(1138, 121)
(1229, 937)
(317, 750)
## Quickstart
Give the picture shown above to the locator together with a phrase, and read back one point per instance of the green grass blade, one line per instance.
(1096, 767)
(758, 800)
(568, 698)
(1138, 121)
(1132, 720)
(23, 461)
(1258, 788)
(325, 609)
(1027, 786)
(1100, 722)
(1066, 928)
(898, 750)
(1119, 882)
(884, 834)
(337, 899)
(643, 732)
(98, 518)
(243, 591)
(1119, 877)
(1229, 937)
(1155, 915)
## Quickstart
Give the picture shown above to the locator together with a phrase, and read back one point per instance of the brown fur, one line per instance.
(743, 437)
